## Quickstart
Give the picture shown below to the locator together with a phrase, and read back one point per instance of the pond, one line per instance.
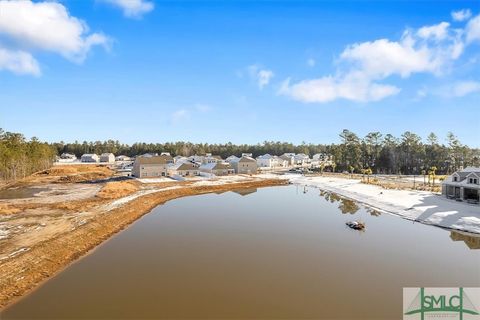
(280, 252)
(20, 193)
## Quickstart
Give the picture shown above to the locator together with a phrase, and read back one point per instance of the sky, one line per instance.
(239, 71)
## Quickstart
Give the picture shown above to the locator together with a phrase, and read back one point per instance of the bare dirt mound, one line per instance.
(118, 189)
(73, 173)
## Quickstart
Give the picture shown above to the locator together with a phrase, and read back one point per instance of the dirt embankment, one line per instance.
(67, 174)
(28, 269)
(118, 189)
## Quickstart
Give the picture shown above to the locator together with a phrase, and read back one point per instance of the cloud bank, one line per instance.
(42, 26)
(363, 67)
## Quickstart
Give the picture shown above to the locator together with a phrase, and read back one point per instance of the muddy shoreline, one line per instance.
(25, 271)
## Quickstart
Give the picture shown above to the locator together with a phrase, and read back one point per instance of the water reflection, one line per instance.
(245, 192)
(374, 212)
(472, 241)
(345, 206)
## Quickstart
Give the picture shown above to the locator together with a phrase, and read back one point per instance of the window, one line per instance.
(455, 179)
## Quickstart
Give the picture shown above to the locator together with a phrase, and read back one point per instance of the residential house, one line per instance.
(68, 156)
(279, 162)
(179, 159)
(89, 157)
(265, 161)
(301, 159)
(184, 169)
(107, 157)
(150, 167)
(217, 168)
(463, 185)
(209, 158)
(123, 158)
(150, 154)
(168, 158)
(289, 157)
(244, 165)
(232, 158)
(320, 159)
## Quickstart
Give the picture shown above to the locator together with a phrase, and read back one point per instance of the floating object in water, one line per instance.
(356, 225)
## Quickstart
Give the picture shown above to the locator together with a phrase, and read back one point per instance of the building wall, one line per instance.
(185, 173)
(245, 167)
(149, 170)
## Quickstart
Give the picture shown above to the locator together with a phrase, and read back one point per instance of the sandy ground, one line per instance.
(41, 235)
(421, 206)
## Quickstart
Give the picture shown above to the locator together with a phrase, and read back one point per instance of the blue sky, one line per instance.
(239, 71)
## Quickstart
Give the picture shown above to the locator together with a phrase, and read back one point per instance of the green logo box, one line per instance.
(441, 303)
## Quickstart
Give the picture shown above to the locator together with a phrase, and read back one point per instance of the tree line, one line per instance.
(381, 153)
(20, 157)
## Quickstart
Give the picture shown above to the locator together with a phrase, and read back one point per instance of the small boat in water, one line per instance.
(357, 225)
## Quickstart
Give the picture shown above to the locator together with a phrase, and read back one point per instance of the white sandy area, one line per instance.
(120, 202)
(421, 206)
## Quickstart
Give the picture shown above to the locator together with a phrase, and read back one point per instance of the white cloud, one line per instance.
(472, 29)
(361, 66)
(261, 76)
(180, 115)
(18, 62)
(133, 8)
(327, 89)
(461, 15)
(200, 107)
(311, 62)
(463, 88)
(47, 26)
(436, 32)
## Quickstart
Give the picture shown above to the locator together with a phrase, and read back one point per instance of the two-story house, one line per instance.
(463, 185)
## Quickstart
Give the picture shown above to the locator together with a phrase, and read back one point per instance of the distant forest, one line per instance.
(20, 158)
(406, 154)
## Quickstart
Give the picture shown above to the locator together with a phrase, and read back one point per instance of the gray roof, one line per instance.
(152, 160)
(247, 159)
(186, 166)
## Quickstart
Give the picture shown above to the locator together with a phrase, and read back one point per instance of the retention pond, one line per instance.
(281, 252)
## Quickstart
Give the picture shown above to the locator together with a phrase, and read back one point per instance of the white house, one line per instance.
(266, 161)
(179, 159)
(123, 158)
(279, 162)
(217, 168)
(301, 159)
(232, 158)
(289, 157)
(89, 157)
(184, 169)
(107, 157)
(324, 159)
(463, 185)
(209, 158)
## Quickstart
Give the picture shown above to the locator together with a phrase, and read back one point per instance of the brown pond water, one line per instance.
(274, 253)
